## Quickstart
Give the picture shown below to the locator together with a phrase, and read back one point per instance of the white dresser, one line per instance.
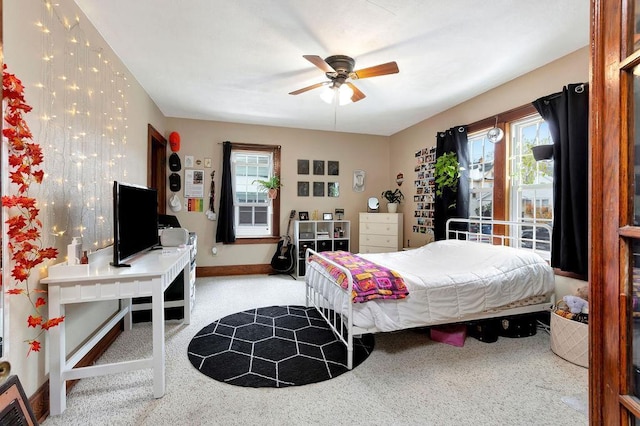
(380, 232)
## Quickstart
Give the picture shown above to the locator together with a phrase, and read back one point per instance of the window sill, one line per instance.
(257, 240)
(573, 275)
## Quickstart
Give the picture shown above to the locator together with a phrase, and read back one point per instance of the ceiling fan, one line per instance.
(339, 69)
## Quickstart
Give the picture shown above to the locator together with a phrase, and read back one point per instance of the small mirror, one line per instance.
(373, 204)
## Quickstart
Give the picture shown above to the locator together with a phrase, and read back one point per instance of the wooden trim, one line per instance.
(630, 404)
(504, 117)
(157, 166)
(40, 399)
(561, 273)
(261, 240)
(219, 271)
(604, 183)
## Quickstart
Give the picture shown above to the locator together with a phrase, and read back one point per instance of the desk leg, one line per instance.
(128, 317)
(157, 317)
(57, 356)
(186, 279)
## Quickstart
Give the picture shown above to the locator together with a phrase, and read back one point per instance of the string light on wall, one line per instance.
(84, 152)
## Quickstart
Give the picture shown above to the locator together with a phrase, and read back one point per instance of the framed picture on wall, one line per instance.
(318, 189)
(303, 189)
(333, 168)
(318, 167)
(303, 167)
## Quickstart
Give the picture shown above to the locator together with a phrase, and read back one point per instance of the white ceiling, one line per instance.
(236, 61)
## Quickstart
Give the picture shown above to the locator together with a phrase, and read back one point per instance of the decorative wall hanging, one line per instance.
(425, 190)
(303, 167)
(318, 167)
(333, 189)
(24, 229)
(303, 189)
(318, 189)
(358, 180)
(333, 168)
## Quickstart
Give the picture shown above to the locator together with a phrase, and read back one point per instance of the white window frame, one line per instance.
(479, 175)
(541, 188)
(256, 230)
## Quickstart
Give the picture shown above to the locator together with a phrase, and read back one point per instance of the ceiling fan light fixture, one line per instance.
(327, 94)
(343, 93)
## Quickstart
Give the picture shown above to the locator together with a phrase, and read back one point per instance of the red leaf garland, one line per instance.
(24, 227)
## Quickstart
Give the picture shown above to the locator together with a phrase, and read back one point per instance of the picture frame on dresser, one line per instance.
(303, 215)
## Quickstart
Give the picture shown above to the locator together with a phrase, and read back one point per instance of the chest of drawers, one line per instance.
(380, 232)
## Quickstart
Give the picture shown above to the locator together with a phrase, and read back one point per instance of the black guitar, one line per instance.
(282, 260)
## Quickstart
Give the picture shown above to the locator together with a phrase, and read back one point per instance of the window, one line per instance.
(481, 170)
(531, 181)
(506, 182)
(256, 215)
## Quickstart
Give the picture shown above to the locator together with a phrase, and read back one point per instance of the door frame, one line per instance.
(157, 169)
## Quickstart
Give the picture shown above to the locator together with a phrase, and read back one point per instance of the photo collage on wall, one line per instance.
(317, 188)
(425, 190)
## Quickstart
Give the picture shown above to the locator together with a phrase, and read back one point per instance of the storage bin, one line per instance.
(570, 340)
(453, 334)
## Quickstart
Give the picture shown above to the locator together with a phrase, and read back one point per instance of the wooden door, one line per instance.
(614, 326)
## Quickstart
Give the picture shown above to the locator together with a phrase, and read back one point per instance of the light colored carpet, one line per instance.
(408, 380)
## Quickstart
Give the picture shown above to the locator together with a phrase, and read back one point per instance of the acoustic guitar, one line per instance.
(282, 260)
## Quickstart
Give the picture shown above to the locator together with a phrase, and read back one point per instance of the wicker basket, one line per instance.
(570, 340)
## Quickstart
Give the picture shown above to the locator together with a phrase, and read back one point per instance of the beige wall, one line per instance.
(23, 53)
(573, 68)
(202, 139)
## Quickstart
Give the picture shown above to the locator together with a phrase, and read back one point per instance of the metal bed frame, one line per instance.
(510, 234)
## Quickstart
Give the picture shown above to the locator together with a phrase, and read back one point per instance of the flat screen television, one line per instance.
(135, 221)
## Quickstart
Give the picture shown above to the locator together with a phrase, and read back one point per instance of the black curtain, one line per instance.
(225, 232)
(452, 203)
(567, 114)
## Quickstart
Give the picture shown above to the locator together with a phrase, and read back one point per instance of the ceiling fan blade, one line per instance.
(357, 94)
(319, 62)
(306, 89)
(382, 69)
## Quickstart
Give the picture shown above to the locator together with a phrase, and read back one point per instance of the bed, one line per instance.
(476, 273)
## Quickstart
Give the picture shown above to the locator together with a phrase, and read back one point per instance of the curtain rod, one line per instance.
(249, 144)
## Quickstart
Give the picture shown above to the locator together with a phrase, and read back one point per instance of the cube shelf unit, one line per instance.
(319, 235)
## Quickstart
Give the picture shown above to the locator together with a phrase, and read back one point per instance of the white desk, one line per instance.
(149, 275)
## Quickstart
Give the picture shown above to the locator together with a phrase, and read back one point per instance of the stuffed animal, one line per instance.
(576, 304)
(583, 292)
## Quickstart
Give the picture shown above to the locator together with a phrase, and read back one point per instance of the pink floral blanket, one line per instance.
(370, 281)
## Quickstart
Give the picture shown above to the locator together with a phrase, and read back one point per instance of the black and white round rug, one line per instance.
(276, 346)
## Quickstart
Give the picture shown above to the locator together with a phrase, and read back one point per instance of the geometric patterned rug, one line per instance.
(276, 346)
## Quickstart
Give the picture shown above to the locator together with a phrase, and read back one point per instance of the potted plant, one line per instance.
(270, 185)
(447, 172)
(393, 199)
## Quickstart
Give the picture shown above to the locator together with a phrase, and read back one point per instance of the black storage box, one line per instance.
(518, 325)
(484, 330)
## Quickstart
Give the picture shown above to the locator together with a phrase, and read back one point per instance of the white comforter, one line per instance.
(447, 280)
